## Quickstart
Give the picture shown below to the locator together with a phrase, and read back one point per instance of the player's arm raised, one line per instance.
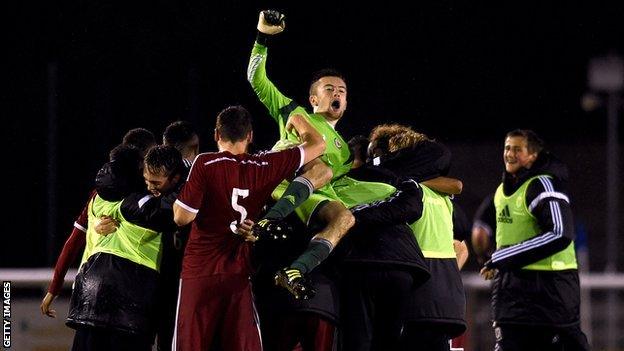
(269, 23)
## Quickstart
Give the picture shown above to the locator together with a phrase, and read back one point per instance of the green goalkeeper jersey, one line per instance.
(337, 155)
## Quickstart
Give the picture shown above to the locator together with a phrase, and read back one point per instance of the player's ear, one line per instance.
(533, 156)
(216, 135)
(313, 100)
(250, 137)
(531, 160)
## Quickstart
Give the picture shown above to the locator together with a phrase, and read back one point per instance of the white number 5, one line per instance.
(236, 192)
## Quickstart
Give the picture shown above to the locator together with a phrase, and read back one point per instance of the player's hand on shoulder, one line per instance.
(271, 22)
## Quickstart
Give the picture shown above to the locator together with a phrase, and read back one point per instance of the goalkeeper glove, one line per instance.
(271, 22)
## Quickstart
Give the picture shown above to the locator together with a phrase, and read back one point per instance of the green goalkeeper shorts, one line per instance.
(348, 191)
(307, 208)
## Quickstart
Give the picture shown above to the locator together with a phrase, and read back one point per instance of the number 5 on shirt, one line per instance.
(236, 193)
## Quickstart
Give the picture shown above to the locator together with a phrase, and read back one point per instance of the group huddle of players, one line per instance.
(360, 249)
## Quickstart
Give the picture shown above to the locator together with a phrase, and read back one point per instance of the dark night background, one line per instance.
(464, 73)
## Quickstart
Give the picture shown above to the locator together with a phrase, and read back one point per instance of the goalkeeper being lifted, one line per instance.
(312, 193)
(322, 193)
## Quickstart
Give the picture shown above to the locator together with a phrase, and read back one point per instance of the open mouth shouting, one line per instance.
(335, 105)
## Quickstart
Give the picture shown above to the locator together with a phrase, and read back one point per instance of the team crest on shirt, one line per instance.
(337, 143)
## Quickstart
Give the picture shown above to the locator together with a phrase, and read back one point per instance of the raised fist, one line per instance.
(271, 22)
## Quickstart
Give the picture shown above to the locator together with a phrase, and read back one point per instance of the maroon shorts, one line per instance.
(216, 310)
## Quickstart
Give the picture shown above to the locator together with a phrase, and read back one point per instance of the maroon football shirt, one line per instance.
(224, 189)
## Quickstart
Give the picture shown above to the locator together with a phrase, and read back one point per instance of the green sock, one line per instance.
(296, 193)
(318, 250)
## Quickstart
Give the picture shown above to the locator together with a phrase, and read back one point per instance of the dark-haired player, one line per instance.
(216, 307)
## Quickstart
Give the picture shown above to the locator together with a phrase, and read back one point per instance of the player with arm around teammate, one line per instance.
(223, 189)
